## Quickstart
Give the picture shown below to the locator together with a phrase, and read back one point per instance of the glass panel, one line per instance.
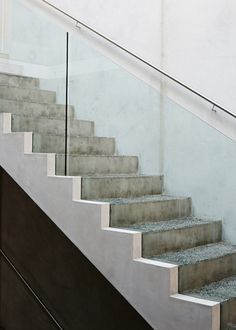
(121, 105)
(196, 159)
(115, 117)
(37, 48)
(199, 161)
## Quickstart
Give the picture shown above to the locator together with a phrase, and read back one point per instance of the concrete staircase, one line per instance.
(169, 232)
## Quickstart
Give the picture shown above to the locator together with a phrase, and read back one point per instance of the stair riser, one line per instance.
(205, 272)
(30, 95)
(17, 81)
(177, 239)
(35, 109)
(76, 145)
(128, 214)
(96, 188)
(228, 314)
(53, 126)
(97, 165)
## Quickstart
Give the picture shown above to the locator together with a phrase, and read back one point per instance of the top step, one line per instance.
(18, 81)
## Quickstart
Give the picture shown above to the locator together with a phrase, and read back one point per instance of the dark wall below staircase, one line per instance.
(74, 291)
(19, 308)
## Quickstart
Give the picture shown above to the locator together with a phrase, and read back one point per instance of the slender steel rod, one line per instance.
(66, 103)
(215, 104)
(30, 289)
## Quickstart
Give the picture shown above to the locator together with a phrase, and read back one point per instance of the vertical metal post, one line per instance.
(67, 99)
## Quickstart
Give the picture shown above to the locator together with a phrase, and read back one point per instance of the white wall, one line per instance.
(199, 46)
(4, 27)
(134, 25)
(192, 39)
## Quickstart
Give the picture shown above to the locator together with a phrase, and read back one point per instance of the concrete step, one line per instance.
(35, 109)
(165, 236)
(97, 187)
(151, 208)
(24, 94)
(90, 165)
(76, 144)
(223, 291)
(202, 265)
(46, 125)
(18, 81)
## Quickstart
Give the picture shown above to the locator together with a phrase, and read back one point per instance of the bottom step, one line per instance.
(224, 292)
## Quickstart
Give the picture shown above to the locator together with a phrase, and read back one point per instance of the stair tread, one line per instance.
(26, 88)
(198, 254)
(170, 224)
(220, 291)
(141, 199)
(32, 102)
(16, 75)
(118, 176)
(14, 80)
(81, 137)
(97, 156)
(42, 117)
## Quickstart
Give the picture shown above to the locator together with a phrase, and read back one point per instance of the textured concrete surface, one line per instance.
(79, 164)
(147, 208)
(223, 291)
(23, 94)
(51, 125)
(164, 236)
(26, 108)
(217, 291)
(12, 80)
(120, 186)
(76, 144)
(202, 265)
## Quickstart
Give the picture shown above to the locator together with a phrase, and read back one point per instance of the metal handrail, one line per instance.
(214, 104)
(10, 263)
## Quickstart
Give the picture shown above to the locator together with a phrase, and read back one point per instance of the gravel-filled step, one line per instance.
(202, 265)
(165, 236)
(223, 291)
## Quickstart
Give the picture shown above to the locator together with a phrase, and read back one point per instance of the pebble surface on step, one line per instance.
(142, 199)
(169, 225)
(198, 254)
(217, 291)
